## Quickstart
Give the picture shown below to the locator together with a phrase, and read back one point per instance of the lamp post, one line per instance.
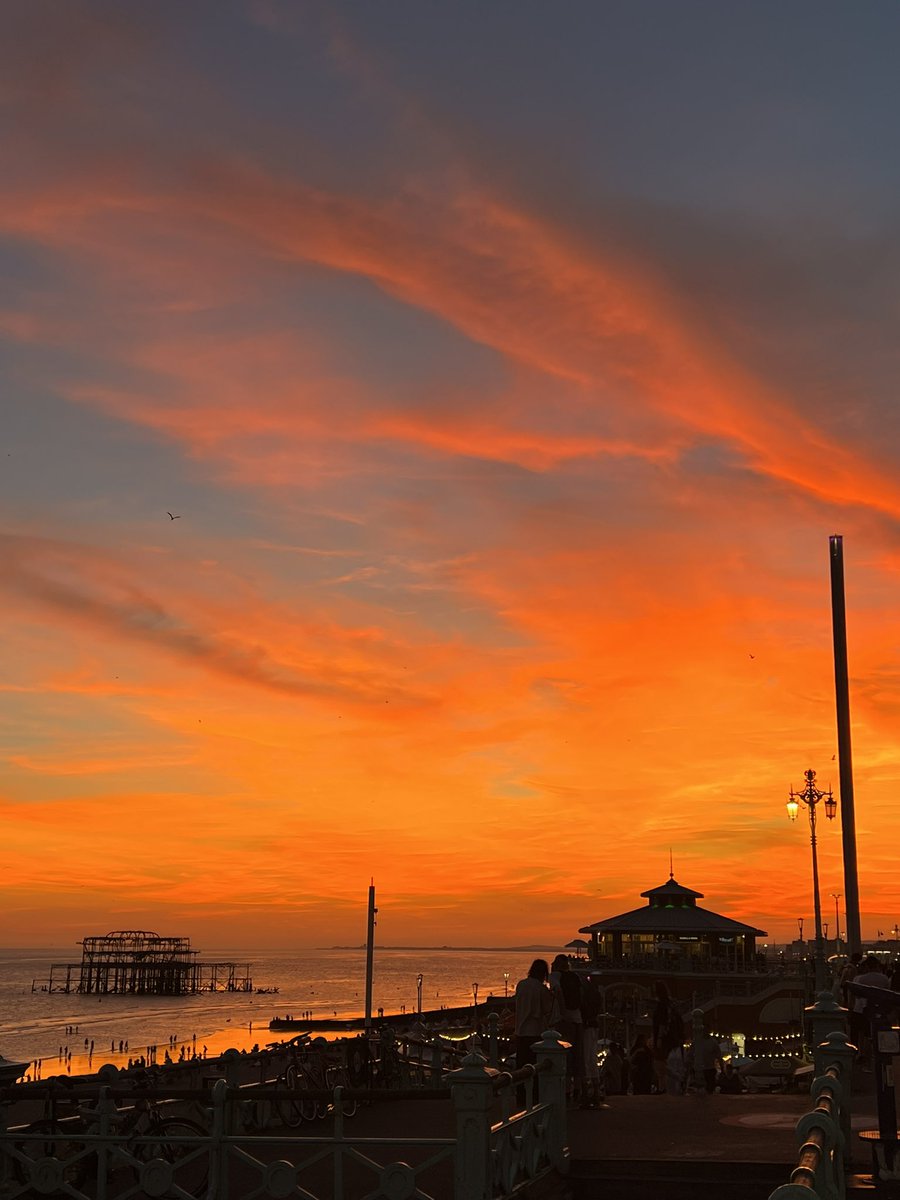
(505, 984)
(419, 978)
(837, 920)
(810, 796)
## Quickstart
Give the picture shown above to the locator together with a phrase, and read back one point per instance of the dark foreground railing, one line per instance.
(230, 1142)
(823, 1134)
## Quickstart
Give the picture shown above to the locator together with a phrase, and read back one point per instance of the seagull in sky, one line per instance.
(173, 516)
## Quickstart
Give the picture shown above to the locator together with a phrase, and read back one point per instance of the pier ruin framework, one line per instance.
(135, 962)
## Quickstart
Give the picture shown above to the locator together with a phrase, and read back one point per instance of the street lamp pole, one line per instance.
(810, 797)
(837, 920)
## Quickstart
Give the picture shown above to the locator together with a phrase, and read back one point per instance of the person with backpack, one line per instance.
(668, 1032)
(566, 1018)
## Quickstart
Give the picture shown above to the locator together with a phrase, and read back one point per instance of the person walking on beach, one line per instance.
(533, 1004)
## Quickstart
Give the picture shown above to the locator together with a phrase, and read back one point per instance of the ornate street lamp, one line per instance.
(811, 796)
(419, 980)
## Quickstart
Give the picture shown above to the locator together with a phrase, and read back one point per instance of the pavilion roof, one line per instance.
(672, 888)
(671, 909)
(652, 919)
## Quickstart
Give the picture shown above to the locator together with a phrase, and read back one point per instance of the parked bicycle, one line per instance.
(309, 1071)
(141, 1145)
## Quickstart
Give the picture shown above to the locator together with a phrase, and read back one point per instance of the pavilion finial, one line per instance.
(671, 867)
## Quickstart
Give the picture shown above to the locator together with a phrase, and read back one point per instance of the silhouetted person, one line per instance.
(533, 1005)
(641, 1066)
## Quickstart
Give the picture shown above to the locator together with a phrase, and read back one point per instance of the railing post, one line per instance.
(493, 1023)
(218, 1150)
(437, 1065)
(824, 1017)
(231, 1066)
(106, 1111)
(552, 1091)
(828, 1178)
(837, 1048)
(472, 1090)
(698, 1032)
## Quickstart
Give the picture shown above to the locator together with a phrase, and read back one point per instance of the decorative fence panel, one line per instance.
(231, 1143)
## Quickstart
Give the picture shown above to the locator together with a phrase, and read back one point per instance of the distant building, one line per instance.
(707, 961)
(671, 930)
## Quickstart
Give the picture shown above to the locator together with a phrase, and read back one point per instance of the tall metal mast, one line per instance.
(370, 952)
(845, 758)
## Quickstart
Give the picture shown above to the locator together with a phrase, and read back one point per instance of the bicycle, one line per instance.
(59, 1154)
(308, 1072)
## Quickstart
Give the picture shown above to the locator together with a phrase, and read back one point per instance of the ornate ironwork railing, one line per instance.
(824, 1133)
(231, 1143)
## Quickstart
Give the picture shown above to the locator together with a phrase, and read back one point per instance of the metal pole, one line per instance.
(837, 920)
(845, 758)
(370, 950)
(819, 965)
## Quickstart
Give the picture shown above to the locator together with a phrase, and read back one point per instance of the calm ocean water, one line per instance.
(329, 982)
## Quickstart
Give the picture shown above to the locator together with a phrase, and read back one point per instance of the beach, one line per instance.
(327, 983)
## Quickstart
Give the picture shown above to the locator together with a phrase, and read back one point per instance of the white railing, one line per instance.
(211, 1154)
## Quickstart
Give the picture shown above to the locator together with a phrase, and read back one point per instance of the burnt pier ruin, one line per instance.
(133, 962)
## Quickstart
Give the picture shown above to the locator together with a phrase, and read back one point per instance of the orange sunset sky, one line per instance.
(506, 367)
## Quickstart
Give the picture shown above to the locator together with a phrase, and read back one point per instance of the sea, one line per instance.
(48, 1027)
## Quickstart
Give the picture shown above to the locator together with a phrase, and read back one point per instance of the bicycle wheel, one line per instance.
(290, 1109)
(340, 1077)
(307, 1107)
(51, 1160)
(348, 1107)
(188, 1165)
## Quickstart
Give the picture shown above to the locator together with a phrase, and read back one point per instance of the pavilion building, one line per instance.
(672, 931)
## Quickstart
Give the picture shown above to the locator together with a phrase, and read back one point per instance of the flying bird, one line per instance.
(173, 516)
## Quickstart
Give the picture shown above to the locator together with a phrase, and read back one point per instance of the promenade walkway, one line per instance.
(634, 1148)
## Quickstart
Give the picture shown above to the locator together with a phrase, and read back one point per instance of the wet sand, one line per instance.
(237, 1037)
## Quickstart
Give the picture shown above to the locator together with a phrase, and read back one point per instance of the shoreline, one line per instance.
(246, 1037)
(232, 1037)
